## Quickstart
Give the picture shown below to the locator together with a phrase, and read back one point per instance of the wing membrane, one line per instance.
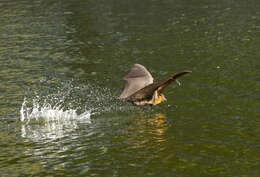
(136, 79)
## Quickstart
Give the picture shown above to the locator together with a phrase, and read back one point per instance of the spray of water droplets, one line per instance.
(53, 109)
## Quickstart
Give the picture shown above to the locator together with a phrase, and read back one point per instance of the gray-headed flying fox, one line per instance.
(140, 88)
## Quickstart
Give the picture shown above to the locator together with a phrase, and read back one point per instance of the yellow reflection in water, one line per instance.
(160, 127)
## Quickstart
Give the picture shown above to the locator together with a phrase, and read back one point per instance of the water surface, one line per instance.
(61, 70)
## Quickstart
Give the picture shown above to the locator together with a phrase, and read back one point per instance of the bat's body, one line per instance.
(141, 90)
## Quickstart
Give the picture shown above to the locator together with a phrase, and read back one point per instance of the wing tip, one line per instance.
(187, 71)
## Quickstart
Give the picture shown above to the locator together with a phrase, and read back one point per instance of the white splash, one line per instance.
(49, 113)
(49, 122)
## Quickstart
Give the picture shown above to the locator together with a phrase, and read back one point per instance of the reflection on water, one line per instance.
(160, 127)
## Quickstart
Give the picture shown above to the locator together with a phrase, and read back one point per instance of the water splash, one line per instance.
(50, 113)
(46, 122)
(53, 109)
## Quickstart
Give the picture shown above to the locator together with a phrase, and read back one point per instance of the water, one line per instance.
(61, 70)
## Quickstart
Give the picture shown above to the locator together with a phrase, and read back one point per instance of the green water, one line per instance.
(76, 52)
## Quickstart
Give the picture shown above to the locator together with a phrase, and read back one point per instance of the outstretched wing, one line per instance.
(136, 79)
(148, 91)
